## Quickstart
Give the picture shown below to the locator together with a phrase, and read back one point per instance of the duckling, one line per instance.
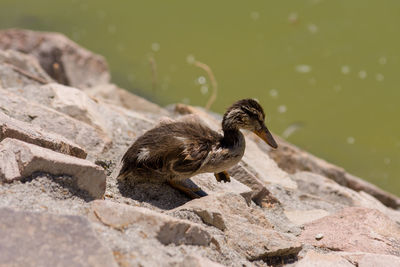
(178, 150)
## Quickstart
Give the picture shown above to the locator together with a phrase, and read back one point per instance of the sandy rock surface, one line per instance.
(63, 131)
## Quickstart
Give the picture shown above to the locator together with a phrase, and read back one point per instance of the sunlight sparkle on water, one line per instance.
(362, 74)
(190, 59)
(312, 28)
(111, 28)
(282, 109)
(350, 140)
(273, 93)
(337, 88)
(293, 17)
(254, 15)
(345, 69)
(201, 80)
(380, 77)
(303, 68)
(155, 47)
(382, 60)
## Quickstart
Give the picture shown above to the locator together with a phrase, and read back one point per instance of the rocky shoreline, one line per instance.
(64, 128)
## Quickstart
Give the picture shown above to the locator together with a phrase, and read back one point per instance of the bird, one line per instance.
(174, 151)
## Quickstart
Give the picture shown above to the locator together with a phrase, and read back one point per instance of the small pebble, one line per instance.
(319, 236)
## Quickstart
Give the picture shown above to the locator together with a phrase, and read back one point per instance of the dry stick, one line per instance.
(27, 74)
(153, 67)
(211, 76)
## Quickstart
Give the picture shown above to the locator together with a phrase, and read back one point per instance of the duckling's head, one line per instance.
(249, 115)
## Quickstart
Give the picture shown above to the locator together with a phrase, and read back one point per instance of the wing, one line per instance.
(177, 149)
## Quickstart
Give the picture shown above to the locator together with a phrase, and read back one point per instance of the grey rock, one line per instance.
(164, 228)
(19, 159)
(111, 122)
(11, 128)
(112, 94)
(42, 239)
(53, 121)
(246, 229)
(300, 217)
(210, 185)
(355, 230)
(362, 259)
(197, 261)
(260, 195)
(17, 69)
(315, 259)
(329, 190)
(62, 59)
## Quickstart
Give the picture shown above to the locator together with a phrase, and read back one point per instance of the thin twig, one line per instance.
(214, 85)
(26, 73)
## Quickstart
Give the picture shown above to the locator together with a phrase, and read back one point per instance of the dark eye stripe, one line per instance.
(251, 114)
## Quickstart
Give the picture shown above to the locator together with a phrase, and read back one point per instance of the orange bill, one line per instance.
(266, 135)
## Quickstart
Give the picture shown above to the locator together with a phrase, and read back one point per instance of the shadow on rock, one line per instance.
(160, 195)
(62, 186)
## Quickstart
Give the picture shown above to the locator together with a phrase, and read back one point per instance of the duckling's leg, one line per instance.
(222, 176)
(190, 190)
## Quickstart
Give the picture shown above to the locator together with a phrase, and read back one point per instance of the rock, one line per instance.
(11, 128)
(52, 121)
(17, 69)
(208, 183)
(246, 229)
(164, 228)
(329, 190)
(112, 94)
(300, 217)
(42, 239)
(62, 59)
(315, 259)
(260, 195)
(113, 123)
(361, 259)
(347, 259)
(265, 168)
(19, 159)
(355, 230)
(197, 261)
(292, 159)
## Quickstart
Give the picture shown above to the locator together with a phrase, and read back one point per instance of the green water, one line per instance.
(331, 68)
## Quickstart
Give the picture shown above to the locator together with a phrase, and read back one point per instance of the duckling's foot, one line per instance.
(222, 176)
(191, 190)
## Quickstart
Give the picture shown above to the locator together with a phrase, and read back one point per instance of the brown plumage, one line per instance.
(178, 150)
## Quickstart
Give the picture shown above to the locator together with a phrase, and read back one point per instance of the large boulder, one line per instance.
(49, 120)
(354, 230)
(62, 59)
(246, 228)
(347, 259)
(43, 239)
(17, 69)
(19, 160)
(330, 191)
(166, 229)
(11, 128)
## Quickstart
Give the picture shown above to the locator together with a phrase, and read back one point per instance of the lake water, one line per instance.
(326, 72)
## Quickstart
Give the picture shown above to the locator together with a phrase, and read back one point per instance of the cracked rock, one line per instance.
(19, 159)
